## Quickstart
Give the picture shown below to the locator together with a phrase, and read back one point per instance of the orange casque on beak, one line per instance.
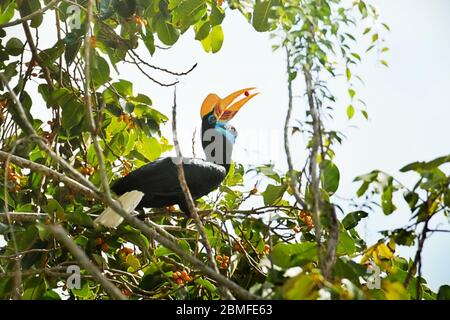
(224, 110)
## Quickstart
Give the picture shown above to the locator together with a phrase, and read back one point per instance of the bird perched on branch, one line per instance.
(156, 185)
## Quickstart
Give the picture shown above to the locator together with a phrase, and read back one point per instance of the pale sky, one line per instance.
(408, 104)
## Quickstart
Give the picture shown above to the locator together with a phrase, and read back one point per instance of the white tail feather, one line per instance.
(129, 201)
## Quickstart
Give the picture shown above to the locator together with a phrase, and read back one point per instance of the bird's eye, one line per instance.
(211, 119)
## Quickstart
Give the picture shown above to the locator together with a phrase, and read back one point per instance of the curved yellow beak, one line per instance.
(225, 110)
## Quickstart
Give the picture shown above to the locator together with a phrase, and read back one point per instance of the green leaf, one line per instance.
(188, 13)
(330, 176)
(51, 295)
(166, 32)
(149, 40)
(350, 111)
(346, 245)
(54, 208)
(35, 289)
(420, 165)
(386, 200)
(351, 93)
(447, 198)
(107, 8)
(348, 73)
(206, 284)
(261, 14)
(72, 114)
(99, 71)
(124, 88)
(141, 98)
(273, 194)
(301, 287)
(202, 30)
(444, 293)
(8, 13)
(27, 7)
(365, 114)
(352, 219)
(49, 56)
(411, 198)
(375, 37)
(288, 255)
(14, 47)
(217, 14)
(126, 8)
(357, 56)
(73, 44)
(403, 237)
(150, 148)
(213, 42)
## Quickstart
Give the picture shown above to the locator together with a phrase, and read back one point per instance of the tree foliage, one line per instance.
(292, 247)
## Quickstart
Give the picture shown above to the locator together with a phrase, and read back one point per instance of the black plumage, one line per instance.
(158, 181)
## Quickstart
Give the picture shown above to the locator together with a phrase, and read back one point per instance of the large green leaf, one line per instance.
(273, 194)
(293, 254)
(72, 114)
(261, 14)
(352, 219)
(213, 42)
(330, 176)
(166, 32)
(107, 8)
(27, 7)
(149, 148)
(7, 13)
(100, 71)
(14, 47)
(188, 13)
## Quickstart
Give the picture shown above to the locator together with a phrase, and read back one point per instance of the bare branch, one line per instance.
(75, 185)
(293, 178)
(149, 76)
(21, 216)
(88, 102)
(187, 193)
(159, 68)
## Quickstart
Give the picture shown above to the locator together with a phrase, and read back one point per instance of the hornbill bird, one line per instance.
(156, 185)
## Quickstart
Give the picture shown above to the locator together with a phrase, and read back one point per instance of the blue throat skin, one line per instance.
(221, 127)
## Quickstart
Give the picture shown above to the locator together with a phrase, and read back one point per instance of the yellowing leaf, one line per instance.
(133, 262)
(395, 291)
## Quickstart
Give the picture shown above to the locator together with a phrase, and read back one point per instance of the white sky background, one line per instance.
(408, 103)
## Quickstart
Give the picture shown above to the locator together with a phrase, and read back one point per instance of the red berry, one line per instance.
(247, 93)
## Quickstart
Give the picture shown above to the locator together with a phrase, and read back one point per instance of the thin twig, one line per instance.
(88, 102)
(159, 68)
(31, 15)
(293, 178)
(149, 76)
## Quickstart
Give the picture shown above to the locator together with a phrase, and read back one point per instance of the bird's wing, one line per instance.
(160, 177)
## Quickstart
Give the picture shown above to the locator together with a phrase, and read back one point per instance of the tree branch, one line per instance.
(31, 15)
(62, 236)
(59, 177)
(187, 193)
